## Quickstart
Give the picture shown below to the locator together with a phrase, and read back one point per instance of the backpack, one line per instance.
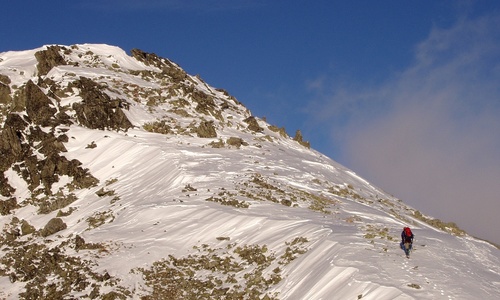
(408, 234)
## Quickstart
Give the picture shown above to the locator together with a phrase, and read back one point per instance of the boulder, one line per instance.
(27, 228)
(53, 226)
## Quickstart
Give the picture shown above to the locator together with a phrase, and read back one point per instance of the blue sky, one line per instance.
(405, 93)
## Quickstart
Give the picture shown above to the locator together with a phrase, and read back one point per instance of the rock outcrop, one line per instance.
(18, 142)
(253, 125)
(39, 107)
(49, 58)
(206, 129)
(167, 67)
(11, 141)
(98, 110)
(5, 97)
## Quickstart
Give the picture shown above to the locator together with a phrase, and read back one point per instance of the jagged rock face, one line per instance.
(49, 143)
(31, 109)
(48, 171)
(47, 59)
(7, 205)
(18, 140)
(5, 94)
(97, 110)
(5, 91)
(205, 104)
(167, 67)
(11, 138)
(5, 188)
(206, 130)
(253, 125)
(147, 58)
(38, 106)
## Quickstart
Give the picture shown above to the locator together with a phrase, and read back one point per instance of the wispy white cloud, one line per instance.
(430, 134)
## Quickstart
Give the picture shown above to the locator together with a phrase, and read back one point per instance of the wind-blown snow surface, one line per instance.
(164, 181)
(340, 262)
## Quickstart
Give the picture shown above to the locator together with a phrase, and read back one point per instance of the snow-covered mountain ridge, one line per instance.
(123, 177)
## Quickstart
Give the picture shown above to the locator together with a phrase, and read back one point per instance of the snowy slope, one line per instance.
(266, 218)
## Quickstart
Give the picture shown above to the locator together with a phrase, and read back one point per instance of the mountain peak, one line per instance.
(125, 177)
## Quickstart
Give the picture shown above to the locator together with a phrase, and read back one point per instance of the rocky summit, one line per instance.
(124, 177)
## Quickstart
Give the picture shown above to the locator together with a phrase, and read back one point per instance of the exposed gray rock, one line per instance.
(4, 79)
(6, 189)
(7, 205)
(53, 226)
(168, 68)
(253, 125)
(98, 110)
(47, 142)
(236, 142)
(16, 145)
(206, 129)
(38, 106)
(49, 58)
(11, 138)
(5, 97)
(27, 228)
(205, 104)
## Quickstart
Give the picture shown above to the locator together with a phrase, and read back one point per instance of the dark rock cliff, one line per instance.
(98, 110)
(47, 59)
